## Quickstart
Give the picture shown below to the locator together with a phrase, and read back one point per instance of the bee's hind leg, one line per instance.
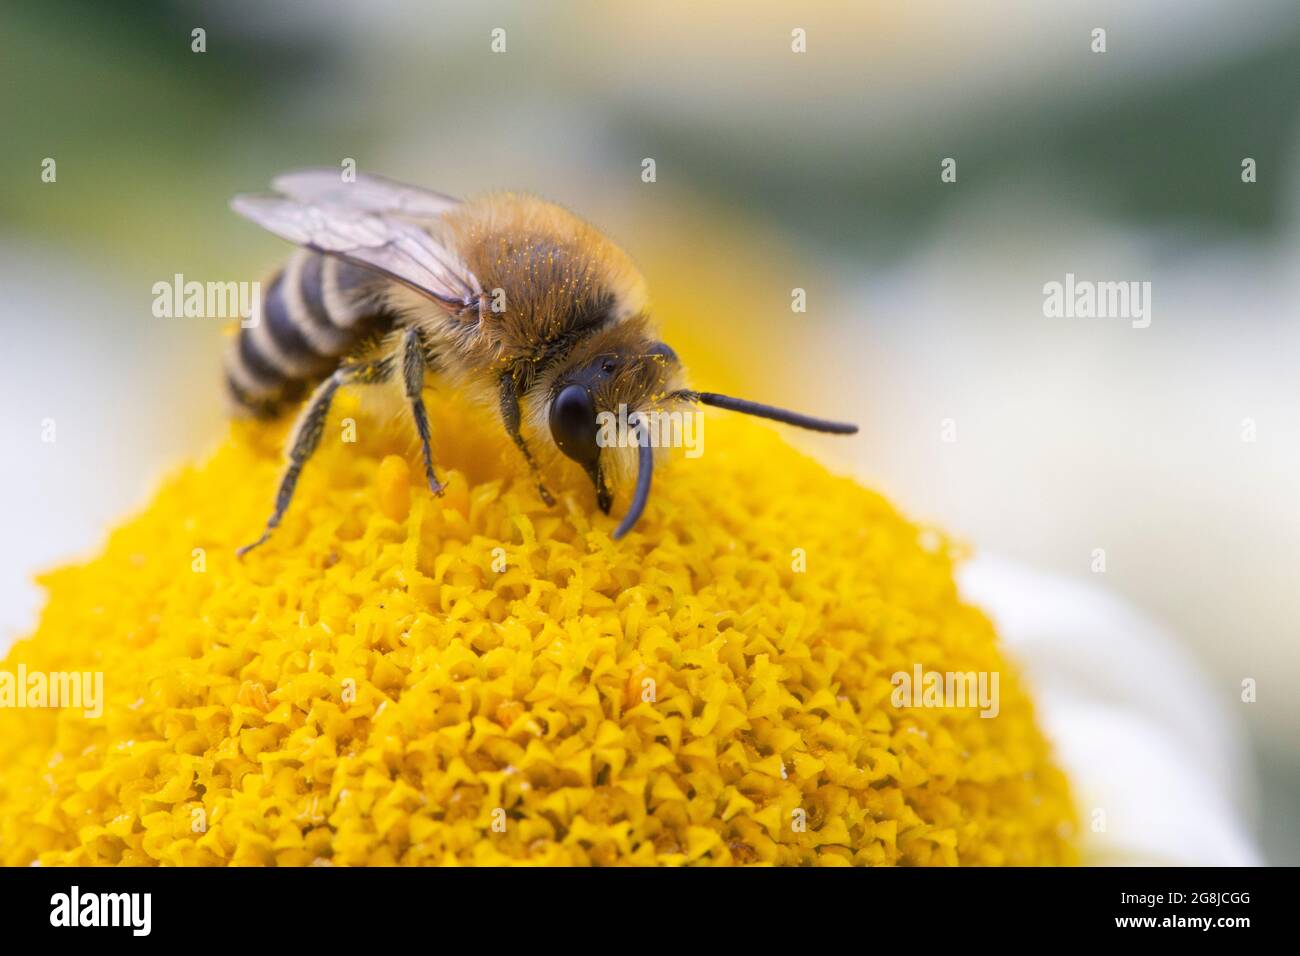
(308, 429)
(413, 363)
(510, 416)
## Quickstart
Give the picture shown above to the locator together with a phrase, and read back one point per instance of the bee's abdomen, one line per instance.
(314, 311)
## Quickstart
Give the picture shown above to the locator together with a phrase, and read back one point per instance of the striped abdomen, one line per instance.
(314, 311)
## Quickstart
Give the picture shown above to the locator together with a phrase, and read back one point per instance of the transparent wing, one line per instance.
(386, 243)
(366, 193)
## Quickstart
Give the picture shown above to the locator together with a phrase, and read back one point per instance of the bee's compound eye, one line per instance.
(573, 424)
(665, 350)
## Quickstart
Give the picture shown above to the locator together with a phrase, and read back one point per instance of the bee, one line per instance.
(512, 299)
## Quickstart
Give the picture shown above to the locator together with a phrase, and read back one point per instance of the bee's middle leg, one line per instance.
(413, 381)
(307, 433)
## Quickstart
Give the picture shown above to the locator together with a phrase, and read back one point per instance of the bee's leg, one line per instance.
(510, 416)
(413, 380)
(308, 429)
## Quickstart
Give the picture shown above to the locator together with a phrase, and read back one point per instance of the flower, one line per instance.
(402, 679)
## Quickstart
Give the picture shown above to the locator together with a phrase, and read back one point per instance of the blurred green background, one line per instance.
(775, 170)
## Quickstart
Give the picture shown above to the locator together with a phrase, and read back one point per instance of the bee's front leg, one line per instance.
(510, 416)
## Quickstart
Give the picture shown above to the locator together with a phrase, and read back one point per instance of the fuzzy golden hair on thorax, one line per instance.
(551, 272)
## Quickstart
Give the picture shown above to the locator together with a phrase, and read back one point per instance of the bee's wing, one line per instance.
(386, 243)
(366, 192)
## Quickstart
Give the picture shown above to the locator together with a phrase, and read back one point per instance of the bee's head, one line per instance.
(590, 398)
(616, 377)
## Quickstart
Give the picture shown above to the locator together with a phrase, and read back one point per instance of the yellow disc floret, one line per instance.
(398, 678)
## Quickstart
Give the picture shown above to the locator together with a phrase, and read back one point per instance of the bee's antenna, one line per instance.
(746, 407)
(645, 469)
